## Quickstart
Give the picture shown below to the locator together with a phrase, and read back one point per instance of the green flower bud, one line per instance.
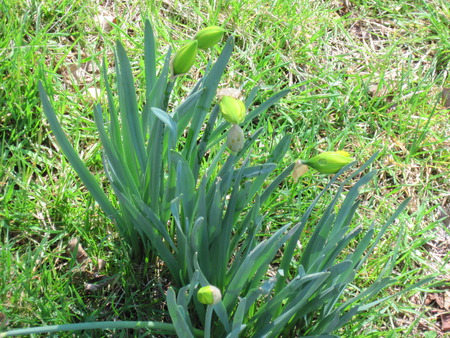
(184, 59)
(209, 295)
(329, 162)
(233, 110)
(209, 36)
(235, 138)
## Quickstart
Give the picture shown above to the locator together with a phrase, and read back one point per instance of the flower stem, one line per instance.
(107, 325)
(208, 317)
(167, 93)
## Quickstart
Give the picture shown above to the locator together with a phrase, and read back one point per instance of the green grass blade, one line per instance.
(424, 281)
(251, 96)
(276, 182)
(265, 105)
(383, 229)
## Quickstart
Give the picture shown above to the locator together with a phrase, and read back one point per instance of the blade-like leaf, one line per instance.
(150, 58)
(178, 315)
(80, 168)
(129, 109)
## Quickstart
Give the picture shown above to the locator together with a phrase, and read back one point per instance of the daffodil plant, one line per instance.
(187, 192)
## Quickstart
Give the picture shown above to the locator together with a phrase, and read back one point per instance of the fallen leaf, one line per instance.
(444, 215)
(446, 303)
(445, 322)
(446, 97)
(431, 297)
(104, 21)
(94, 94)
(100, 264)
(92, 287)
(74, 247)
(3, 320)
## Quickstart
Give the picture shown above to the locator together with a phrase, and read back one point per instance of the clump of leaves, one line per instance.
(202, 214)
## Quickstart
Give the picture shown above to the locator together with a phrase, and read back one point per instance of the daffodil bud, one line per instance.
(235, 138)
(184, 58)
(329, 162)
(209, 295)
(209, 36)
(233, 110)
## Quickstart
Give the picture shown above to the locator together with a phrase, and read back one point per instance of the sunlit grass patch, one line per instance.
(366, 76)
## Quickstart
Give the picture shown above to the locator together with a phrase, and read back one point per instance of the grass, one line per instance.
(366, 77)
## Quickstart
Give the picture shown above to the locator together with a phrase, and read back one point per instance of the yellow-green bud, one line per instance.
(184, 59)
(329, 162)
(209, 295)
(235, 138)
(209, 36)
(233, 110)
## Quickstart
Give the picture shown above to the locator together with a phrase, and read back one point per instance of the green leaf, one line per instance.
(117, 171)
(157, 97)
(178, 316)
(149, 58)
(185, 184)
(210, 83)
(131, 123)
(169, 123)
(259, 257)
(301, 288)
(114, 126)
(183, 113)
(238, 319)
(219, 308)
(202, 146)
(80, 168)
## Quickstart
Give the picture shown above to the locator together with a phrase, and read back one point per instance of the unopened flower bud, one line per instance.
(233, 110)
(209, 36)
(184, 58)
(209, 295)
(235, 138)
(329, 162)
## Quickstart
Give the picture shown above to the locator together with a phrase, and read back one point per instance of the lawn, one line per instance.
(364, 77)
